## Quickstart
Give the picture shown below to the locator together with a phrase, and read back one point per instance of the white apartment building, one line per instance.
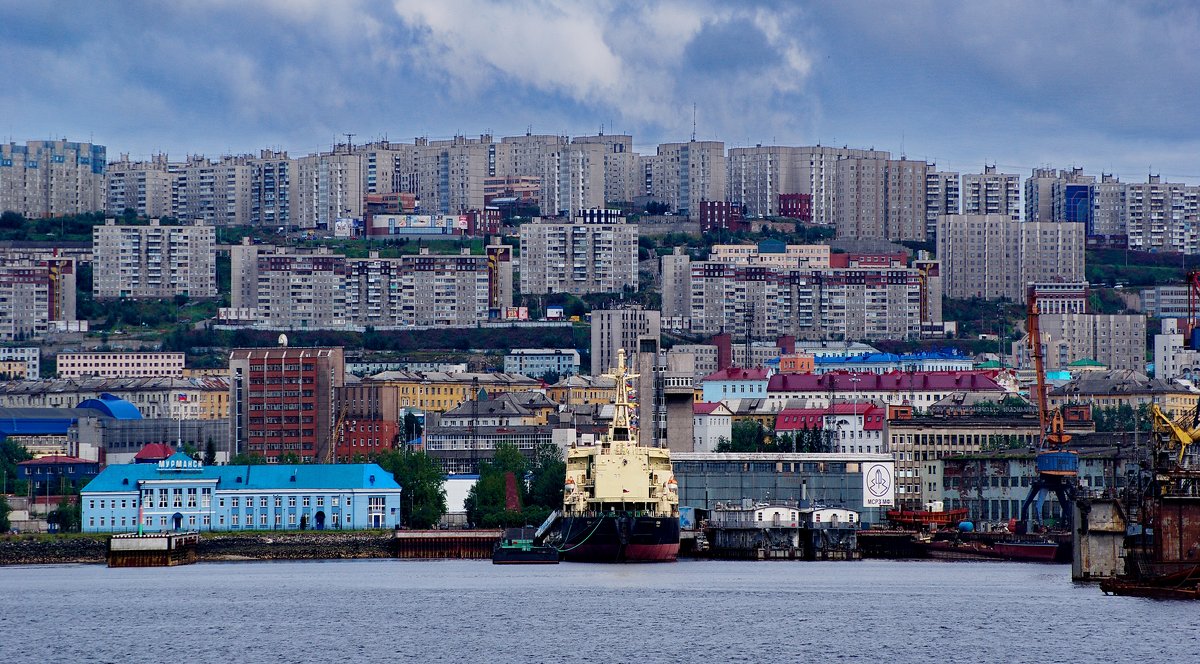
(52, 178)
(1163, 216)
(1118, 341)
(684, 174)
(144, 187)
(120, 365)
(992, 192)
(1109, 207)
(154, 261)
(595, 253)
(994, 256)
(216, 193)
(942, 196)
(711, 423)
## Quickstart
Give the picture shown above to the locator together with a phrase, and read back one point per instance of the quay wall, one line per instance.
(51, 550)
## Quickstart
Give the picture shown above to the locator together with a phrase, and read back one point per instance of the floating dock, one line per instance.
(157, 550)
(460, 544)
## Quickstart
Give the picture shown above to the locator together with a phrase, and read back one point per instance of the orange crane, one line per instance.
(1057, 467)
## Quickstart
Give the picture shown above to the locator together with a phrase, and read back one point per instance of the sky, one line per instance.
(1111, 87)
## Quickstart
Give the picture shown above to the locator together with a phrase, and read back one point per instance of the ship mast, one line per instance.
(622, 428)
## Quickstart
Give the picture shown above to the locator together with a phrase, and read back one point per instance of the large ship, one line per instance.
(620, 500)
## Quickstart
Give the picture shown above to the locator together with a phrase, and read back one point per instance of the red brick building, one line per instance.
(796, 206)
(282, 400)
(722, 215)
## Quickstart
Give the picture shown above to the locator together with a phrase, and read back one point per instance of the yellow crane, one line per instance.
(1181, 432)
(335, 436)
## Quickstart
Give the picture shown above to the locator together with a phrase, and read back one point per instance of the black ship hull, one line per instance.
(618, 538)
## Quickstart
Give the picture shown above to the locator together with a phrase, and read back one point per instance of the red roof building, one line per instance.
(919, 389)
(153, 453)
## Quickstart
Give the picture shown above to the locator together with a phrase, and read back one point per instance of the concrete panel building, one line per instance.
(942, 197)
(213, 192)
(1118, 341)
(144, 187)
(684, 174)
(992, 192)
(537, 362)
(52, 178)
(594, 253)
(994, 256)
(36, 291)
(881, 199)
(154, 261)
(621, 183)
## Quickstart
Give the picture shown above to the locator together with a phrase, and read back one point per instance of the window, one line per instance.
(291, 501)
(91, 504)
(205, 497)
(306, 500)
(334, 501)
(220, 519)
(191, 494)
(262, 502)
(334, 519)
(292, 519)
(177, 497)
(162, 497)
(279, 520)
(320, 501)
(234, 501)
(278, 501)
(233, 519)
(192, 520)
(262, 519)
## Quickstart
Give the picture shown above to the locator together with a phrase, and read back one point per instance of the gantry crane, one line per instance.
(1180, 432)
(1057, 467)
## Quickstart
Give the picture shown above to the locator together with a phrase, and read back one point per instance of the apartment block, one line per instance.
(992, 192)
(120, 365)
(1165, 301)
(423, 290)
(144, 187)
(616, 329)
(1109, 207)
(35, 293)
(213, 192)
(881, 199)
(298, 289)
(1163, 216)
(449, 176)
(52, 178)
(758, 176)
(1118, 341)
(154, 261)
(595, 253)
(855, 297)
(271, 189)
(676, 270)
(326, 187)
(621, 183)
(943, 193)
(683, 174)
(155, 397)
(994, 256)
(282, 400)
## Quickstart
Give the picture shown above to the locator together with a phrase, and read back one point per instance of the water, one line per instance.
(454, 611)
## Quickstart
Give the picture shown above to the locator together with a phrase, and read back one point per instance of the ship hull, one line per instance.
(619, 539)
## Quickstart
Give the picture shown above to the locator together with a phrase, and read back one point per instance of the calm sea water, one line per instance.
(453, 611)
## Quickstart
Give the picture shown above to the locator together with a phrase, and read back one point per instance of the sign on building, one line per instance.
(879, 488)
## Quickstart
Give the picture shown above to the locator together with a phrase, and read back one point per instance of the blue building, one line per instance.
(735, 383)
(881, 363)
(180, 493)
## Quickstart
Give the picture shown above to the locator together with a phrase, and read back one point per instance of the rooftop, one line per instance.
(735, 373)
(124, 477)
(894, 381)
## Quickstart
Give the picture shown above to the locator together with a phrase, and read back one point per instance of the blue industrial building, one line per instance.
(57, 421)
(180, 493)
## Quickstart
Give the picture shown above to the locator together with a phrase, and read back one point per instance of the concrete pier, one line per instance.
(157, 550)
(473, 544)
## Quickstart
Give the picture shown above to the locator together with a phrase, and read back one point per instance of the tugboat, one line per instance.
(620, 500)
(523, 552)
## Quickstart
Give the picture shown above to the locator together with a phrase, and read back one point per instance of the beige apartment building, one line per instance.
(155, 397)
(616, 329)
(594, 253)
(1118, 341)
(943, 195)
(141, 186)
(683, 174)
(992, 192)
(154, 261)
(881, 199)
(327, 186)
(756, 176)
(994, 256)
(52, 178)
(213, 192)
(621, 183)
(120, 365)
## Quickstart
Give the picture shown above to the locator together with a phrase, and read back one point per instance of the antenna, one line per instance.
(349, 140)
(693, 121)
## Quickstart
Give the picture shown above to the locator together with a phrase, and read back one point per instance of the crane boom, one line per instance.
(1035, 347)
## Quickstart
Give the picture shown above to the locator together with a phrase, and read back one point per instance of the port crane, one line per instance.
(1057, 467)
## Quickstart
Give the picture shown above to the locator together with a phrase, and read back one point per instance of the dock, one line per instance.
(156, 550)
(457, 544)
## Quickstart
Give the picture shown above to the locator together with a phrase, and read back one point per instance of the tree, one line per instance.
(412, 427)
(210, 453)
(67, 516)
(10, 455)
(5, 524)
(422, 483)
(486, 502)
(190, 450)
(243, 459)
(547, 475)
(289, 458)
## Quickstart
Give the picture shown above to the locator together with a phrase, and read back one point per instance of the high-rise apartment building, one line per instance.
(35, 291)
(282, 401)
(621, 183)
(758, 176)
(154, 261)
(594, 253)
(942, 196)
(992, 192)
(994, 256)
(144, 187)
(676, 268)
(217, 193)
(1117, 341)
(683, 174)
(1064, 195)
(326, 187)
(1109, 207)
(1162, 216)
(271, 189)
(52, 178)
(880, 199)
(616, 329)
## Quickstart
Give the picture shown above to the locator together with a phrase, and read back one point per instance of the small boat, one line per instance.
(523, 552)
(1184, 584)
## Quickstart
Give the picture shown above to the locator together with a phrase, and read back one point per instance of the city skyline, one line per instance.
(1107, 87)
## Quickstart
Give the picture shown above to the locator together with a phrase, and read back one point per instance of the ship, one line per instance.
(620, 499)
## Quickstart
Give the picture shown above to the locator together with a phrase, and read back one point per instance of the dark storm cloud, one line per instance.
(1110, 86)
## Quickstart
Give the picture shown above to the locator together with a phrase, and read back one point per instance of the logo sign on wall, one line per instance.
(879, 489)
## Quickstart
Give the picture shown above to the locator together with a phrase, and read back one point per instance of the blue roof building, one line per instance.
(57, 421)
(881, 363)
(180, 493)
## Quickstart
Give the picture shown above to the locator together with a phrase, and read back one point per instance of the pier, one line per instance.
(157, 550)
(473, 544)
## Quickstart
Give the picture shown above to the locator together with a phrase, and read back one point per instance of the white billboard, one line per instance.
(879, 487)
